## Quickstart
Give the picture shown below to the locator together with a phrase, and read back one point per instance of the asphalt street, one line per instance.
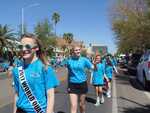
(128, 96)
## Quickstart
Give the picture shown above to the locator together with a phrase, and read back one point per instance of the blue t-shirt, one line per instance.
(109, 71)
(98, 75)
(76, 69)
(39, 80)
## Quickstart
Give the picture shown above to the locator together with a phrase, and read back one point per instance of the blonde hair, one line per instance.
(95, 67)
(73, 47)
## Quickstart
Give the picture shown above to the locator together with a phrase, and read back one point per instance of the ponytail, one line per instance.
(41, 53)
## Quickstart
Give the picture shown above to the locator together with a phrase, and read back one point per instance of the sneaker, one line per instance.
(97, 104)
(102, 100)
(97, 101)
(108, 95)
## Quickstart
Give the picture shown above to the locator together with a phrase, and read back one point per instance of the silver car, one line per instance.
(143, 70)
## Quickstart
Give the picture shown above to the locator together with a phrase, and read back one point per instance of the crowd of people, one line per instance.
(34, 79)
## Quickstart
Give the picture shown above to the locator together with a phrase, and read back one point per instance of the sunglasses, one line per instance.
(76, 49)
(27, 46)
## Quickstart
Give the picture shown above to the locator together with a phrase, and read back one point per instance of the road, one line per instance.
(128, 96)
(131, 97)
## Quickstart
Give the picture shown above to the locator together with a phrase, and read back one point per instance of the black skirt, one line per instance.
(78, 88)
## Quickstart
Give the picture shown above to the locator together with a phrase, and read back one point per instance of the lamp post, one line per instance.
(22, 15)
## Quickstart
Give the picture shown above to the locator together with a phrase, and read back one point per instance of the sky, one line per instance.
(88, 20)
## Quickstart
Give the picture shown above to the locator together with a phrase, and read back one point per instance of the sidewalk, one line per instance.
(6, 94)
(131, 98)
(3, 75)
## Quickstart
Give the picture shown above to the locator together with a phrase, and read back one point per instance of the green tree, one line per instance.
(68, 37)
(55, 19)
(43, 30)
(131, 25)
(5, 34)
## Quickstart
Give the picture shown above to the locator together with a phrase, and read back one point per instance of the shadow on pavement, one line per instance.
(136, 84)
(123, 79)
(132, 73)
(91, 100)
(141, 109)
(133, 102)
(145, 109)
(127, 78)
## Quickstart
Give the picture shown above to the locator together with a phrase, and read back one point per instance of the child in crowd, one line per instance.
(109, 73)
(98, 79)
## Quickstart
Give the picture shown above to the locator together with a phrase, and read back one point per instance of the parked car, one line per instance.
(143, 69)
(133, 62)
(122, 61)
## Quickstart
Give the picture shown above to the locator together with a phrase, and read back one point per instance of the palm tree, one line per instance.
(5, 34)
(55, 19)
(68, 37)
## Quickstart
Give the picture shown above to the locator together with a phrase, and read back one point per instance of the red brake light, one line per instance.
(149, 64)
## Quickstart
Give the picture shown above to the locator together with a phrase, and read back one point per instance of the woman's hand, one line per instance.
(106, 78)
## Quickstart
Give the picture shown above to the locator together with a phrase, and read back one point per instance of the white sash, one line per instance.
(32, 99)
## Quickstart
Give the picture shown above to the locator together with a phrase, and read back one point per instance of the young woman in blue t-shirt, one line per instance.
(77, 79)
(34, 81)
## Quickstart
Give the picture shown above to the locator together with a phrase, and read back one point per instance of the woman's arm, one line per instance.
(50, 100)
(106, 77)
(9, 72)
(14, 105)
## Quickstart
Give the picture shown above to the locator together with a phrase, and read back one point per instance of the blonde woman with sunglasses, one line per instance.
(34, 81)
